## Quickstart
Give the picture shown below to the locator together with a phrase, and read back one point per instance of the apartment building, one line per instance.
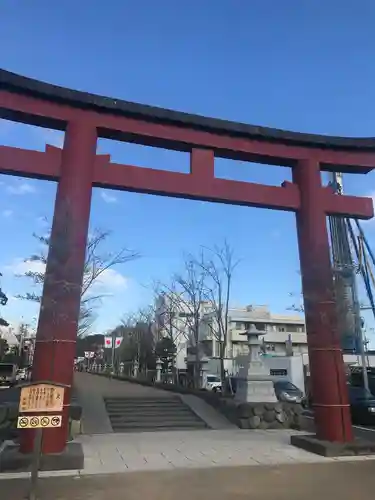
(280, 335)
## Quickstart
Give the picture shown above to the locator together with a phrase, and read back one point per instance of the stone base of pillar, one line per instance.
(358, 447)
(12, 460)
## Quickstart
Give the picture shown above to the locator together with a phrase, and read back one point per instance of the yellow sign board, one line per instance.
(39, 422)
(41, 398)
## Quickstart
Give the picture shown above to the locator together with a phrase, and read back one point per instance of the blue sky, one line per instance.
(293, 65)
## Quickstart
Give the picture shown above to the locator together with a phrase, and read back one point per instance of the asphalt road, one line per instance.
(341, 480)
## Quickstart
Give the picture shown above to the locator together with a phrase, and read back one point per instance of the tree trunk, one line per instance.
(222, 367)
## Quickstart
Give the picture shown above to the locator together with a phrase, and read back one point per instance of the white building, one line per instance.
(280, 334)
(8, 333)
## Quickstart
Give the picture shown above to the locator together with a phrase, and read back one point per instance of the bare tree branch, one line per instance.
(169, 318)
(219, 264)
(96, 263)
(192, 284)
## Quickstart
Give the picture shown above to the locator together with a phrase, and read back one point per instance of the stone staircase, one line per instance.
(143, 414)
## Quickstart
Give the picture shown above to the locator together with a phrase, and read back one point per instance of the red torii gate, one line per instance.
(77, 168)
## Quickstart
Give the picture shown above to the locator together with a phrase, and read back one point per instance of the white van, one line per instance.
(213, 383)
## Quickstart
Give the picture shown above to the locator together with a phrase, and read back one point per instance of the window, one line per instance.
(261, 327)
(280, 373)
(281, 329)
(359, 394)
(285, 385)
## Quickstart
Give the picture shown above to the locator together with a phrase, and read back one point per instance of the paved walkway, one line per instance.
(225, 464)
(91, 390)
(341, 480)
(193, 449)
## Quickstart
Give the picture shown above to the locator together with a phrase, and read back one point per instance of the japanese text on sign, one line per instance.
(39, 422)
(41, 398)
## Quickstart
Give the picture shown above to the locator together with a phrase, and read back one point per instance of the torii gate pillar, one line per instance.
(60, 306)
(331, 407)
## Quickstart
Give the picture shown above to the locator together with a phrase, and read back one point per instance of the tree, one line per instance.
(138, 339)
(165, 349)
(189, 297)
(3, 302)
(4, 348)
(219, 265)
(96, 263)
(89, 343)
(169, 318)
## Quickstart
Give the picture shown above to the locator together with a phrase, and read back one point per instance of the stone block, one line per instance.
(72, 458)
(254, 422)
(243, 423)
(269, 416)
(330, 449)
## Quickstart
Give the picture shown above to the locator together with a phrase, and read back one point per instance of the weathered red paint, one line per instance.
(57, 327)
(77, 169)
(330, 394)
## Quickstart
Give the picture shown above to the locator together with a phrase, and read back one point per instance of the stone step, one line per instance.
(151, 414)
(187, 423)
(153, 418)
(127, 404)
(145, 402)
(135, 430)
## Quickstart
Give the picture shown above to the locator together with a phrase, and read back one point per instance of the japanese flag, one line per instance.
(118, 341)
(108, 342)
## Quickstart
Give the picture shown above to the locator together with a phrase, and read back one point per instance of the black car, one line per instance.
(362, 405)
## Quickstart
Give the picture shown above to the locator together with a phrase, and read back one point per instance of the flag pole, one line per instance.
(113, 351)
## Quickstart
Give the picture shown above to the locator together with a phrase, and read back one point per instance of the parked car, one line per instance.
(362, 405)
(284, 390)
(213, 383)
(288, 392)
(8, 375)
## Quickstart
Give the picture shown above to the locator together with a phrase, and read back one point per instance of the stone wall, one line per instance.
(262, 415)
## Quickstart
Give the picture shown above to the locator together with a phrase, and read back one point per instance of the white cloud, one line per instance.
(7, 213)
(21, 188)
(20, 266)
(111, 280)
(108, 197)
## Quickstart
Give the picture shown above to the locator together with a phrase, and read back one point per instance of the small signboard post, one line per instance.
(41, 406)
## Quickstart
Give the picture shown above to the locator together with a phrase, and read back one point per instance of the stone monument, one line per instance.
(254, 385)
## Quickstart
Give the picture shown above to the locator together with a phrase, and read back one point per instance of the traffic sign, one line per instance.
(37, 398)
(39, 422)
